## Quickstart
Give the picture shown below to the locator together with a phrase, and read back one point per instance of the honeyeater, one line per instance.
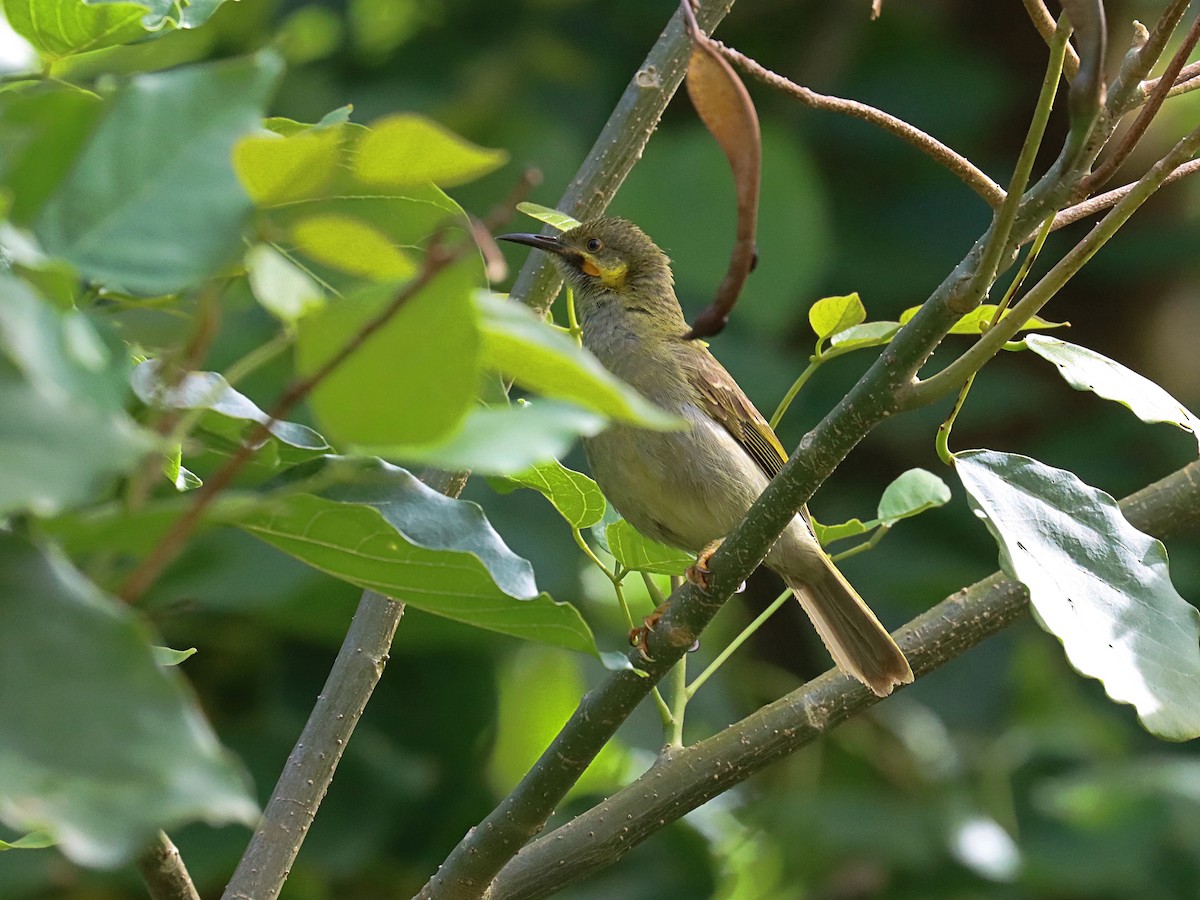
(690, 488)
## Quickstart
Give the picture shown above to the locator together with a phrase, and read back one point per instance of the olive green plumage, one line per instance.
(690, 488)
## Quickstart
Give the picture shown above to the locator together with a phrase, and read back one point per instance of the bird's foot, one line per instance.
(639, 637)
(698, 572)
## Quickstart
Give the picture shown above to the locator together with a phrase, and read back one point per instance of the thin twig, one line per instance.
(1149, 110)
(1111, 198)
(966, 171)
(1186, 74)
(163, 871)
(171, 544)
(1125, 87)
(1045, 25)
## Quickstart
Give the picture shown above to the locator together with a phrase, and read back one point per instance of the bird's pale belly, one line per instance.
(676, 487)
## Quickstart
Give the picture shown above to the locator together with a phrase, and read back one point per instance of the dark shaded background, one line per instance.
(1002, 775)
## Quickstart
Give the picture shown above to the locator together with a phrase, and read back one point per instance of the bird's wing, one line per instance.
(725, 402)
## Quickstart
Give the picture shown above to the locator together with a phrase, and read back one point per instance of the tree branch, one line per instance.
(163, 871)
(685, 779)
(1045, 25)
(309, 769)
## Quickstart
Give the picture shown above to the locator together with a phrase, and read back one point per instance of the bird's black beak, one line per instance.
(548, 242)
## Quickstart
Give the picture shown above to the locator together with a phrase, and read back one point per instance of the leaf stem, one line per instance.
(732, 646)
(813, 365)
(869, 544)
(943, 433)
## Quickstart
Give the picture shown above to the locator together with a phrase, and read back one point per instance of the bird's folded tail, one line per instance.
(856, 640)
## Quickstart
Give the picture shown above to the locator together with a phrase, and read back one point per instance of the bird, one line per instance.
(690, 488)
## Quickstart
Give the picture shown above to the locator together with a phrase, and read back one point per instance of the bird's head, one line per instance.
(610, 259)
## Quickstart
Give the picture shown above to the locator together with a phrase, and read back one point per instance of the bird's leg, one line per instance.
(697, 573)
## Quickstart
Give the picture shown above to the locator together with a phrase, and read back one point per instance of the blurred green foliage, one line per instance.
(1004, 775)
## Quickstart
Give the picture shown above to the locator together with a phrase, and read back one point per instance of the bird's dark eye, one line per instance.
(594, 245)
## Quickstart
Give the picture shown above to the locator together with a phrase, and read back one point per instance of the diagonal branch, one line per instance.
(685, 779)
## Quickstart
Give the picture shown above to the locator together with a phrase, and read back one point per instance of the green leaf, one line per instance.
(413, 381)
(63, 386)
(42, 131)
(502, 440)
(541, 358)
(165, 656)
(827, 534)
(101, 746)
(910, 494)
(868, 334)
(382, 529)
(283, 289)
(403, 150)
(1087, 370)
(573, 494)
(60, 28)
(276, 169)
(832, 315)
(35, 840)
(635, 551)
(551, 217)
(975, 321)
(1096, 582)
(156, 216)
(231, 415)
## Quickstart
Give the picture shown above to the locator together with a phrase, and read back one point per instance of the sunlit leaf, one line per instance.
(60, 28)
(1096, 582)
(1087, 370)
(975, 321)
(281, 287)
(573, 494)
(409, 149)
(832, 315)
(165, 656)
(551, 217)
(35, 840)
(502, 440)
(543, 359)
(414, 379)
(278, 169)
(868, 334)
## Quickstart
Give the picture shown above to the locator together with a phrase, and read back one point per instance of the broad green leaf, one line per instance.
(502, 440)
(280, 286)
(868, 334)
(41, 133)
(635, 551)
(551, 217)
(974, 321)
(60, 28)
(64, 432)
(230, 417)
(154, 217)
(278, 169)
(352, 245)
(165, 656)
(384, 530)
(408, 149)
(832, 315)
(1096, 582)
(414, 379)
(159, 13)
(541, 358)
(910, 494)
(1087, 370)
(35, 840)
(101, 746)
(573, 494)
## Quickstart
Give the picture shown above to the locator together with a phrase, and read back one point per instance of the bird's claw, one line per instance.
(639, 637)
(697, 573)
